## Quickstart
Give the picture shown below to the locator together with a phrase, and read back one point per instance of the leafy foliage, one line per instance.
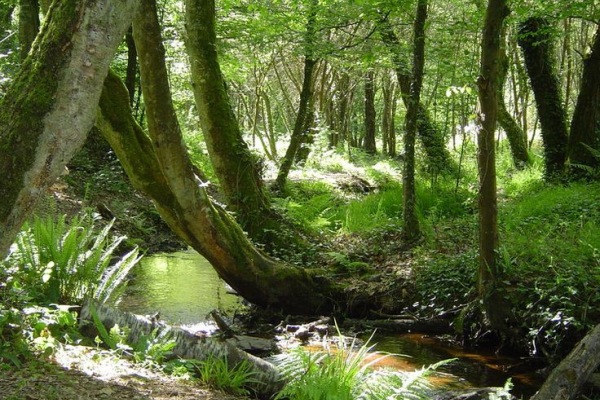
(60, 262)
(346, 373)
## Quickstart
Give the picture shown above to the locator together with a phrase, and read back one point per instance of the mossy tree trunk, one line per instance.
(516, 138)
(411, 230)
(489, 273)
(159, 166)
(535, 41)
(235, 167)
(29, 25)
(584, 124)
(438, 156)
(51, 104)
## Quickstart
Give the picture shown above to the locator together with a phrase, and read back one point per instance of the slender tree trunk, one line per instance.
(51, 104)
(29, 25)
(370, 115)
(488, 82)
(515, 135)
(299, 134)
(438, 157)
(234, 165)
(534, 39)
(411, 230)
(584, 133)
(132, 67)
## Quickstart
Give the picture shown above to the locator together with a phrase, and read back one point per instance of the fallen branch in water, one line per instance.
(267, 380)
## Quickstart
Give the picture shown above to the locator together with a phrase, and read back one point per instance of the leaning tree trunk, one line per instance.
(411, 230)
(516, 138)
(29, 25)
(160, 167)
(299, 133)
(438, 156)
(535, 41)
(566, 380)
(234, 165)
(584, 125)
(51, 104)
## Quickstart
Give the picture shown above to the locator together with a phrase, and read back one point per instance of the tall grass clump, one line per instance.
(60, 261)
(375, 210)
(346, 373)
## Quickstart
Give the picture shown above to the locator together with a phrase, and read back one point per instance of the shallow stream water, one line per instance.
(184, 288)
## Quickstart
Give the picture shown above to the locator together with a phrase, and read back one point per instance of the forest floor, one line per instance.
(81, 372)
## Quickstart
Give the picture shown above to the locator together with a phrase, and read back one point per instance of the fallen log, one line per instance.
(266, 380)
(567, 379)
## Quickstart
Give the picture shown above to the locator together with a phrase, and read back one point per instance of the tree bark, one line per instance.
(584, 124)
(438, 157)
(266, 382)
(234, 165)
(568, 377)
(299, 133)
(516, 137)
(411, 230)
(535, 41)
(132, 67)
(51, 104)
(488, 82)
(370, 114)
(29, 25)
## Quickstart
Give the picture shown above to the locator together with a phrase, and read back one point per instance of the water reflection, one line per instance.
(182, 286)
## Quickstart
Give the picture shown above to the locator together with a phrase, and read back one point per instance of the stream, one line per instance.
(184, 288)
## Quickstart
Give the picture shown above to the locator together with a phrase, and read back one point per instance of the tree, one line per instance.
(411, 230)
(29, 24)
(300, 126)
(51, 104)
(535, 41)
(584, 133)
(438, 157)
(159, 166)
(370, 114)
(488, 82)
(234, 165)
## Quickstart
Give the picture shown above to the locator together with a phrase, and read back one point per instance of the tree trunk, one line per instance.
(299, 133)
(438, 157)
(488, 82)
(51, 104)
(568, 377)
(584, 134)
(370, 115)
(515, 135)
(534, 39)
(234, 165)
(411, 230)
(266, 382)
(132, 67)
(29, 25)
